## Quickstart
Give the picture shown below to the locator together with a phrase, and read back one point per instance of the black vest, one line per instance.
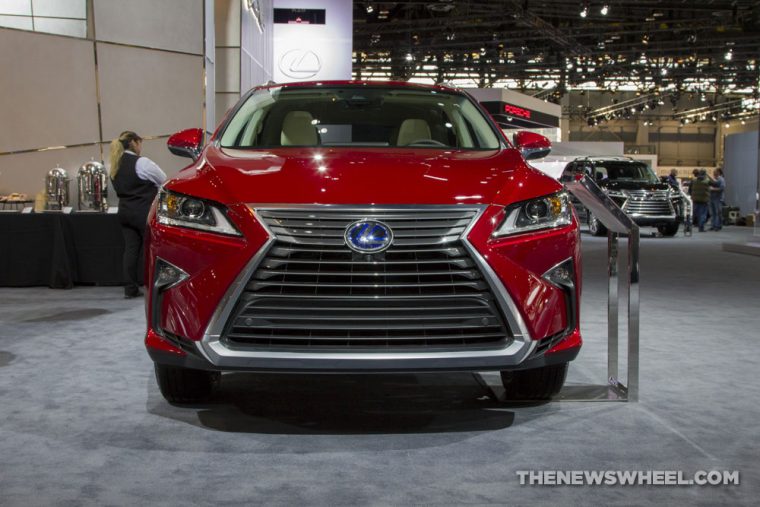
(135, 195)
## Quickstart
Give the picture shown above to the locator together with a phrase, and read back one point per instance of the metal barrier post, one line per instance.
(618, 224)
(612, 306)
(633, 315)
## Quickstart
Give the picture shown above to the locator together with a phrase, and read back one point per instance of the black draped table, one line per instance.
(59, 250)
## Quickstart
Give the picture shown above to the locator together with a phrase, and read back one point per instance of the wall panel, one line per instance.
(25, 172)
(48, 91)
(224, 101)
(176, 25)
(741, 170)
(227, 70)
(227, 22)
(60, 8)
(150, 92)
(18, 22)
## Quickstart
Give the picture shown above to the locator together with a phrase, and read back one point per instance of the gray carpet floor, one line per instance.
(82, 421)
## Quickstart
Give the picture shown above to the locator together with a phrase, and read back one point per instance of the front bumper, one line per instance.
(650, 221)
(176, 351)
(188, 320)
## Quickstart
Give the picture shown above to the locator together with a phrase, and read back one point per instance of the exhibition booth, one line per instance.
(359, 293)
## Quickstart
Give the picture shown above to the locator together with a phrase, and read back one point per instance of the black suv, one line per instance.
(635, 188)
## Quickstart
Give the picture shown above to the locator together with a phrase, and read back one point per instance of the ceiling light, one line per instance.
(409, 57)
(727, 125)
(370, 9)
(584, 11)
(605, 9)
(729, 54)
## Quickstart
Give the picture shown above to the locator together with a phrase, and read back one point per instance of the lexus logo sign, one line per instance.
(300, 64)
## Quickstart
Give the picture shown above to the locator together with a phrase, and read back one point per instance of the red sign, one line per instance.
(517, 111)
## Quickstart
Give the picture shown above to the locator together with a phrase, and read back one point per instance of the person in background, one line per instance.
(136, 180)
(700, 196)
(694, 176)
(717, 189)
(673, 179)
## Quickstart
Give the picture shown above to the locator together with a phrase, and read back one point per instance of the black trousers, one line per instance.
(133, 257)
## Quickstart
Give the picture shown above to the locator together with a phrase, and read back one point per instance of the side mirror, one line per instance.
(187, 143)
(532, 145)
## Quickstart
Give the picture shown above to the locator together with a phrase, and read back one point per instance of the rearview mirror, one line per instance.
(532, 145)
(187, 143)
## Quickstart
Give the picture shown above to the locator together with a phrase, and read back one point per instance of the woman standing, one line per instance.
(136, 180)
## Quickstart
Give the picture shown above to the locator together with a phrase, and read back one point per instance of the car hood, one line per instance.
(632, 185)
(364, 176)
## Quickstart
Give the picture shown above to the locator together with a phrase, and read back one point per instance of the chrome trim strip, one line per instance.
(227, 303)
(217, 353)
(656, 217)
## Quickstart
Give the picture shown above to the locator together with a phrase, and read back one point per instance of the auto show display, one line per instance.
(362, 226)
(618, 224)
(634, 187)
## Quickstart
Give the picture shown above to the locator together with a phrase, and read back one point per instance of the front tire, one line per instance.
(595, 227)
(183, 385)
(535, 384)
(668, 230)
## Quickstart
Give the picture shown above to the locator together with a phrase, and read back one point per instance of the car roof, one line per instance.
(359, 83)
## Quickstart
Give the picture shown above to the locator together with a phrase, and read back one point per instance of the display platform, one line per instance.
(60, 250)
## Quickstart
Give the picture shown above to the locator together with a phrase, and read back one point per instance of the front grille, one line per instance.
(311, 291)
(652, 203)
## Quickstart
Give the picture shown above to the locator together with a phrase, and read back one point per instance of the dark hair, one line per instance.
(118, 146)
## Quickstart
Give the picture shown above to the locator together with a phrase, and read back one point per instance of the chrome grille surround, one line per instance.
(649, 203)
(444, 232)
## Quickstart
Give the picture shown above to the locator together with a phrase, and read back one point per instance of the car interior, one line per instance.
(340, 118)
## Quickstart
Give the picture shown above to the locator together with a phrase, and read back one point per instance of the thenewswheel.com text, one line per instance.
(627, 478)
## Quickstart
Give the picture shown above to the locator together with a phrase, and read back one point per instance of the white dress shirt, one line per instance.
(148, 170)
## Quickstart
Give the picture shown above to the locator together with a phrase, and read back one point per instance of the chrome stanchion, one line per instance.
(612, 307)
(633, 315)
(618, 224)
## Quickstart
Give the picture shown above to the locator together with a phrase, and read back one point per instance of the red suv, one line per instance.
(361, 227)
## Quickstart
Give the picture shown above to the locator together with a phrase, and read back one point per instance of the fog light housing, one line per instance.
(165, 276)
(562, 276)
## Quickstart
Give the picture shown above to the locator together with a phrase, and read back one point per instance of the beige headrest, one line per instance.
(298, 130)
(412, 130)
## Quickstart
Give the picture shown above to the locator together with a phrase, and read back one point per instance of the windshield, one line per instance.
(358, 116)
(624, 171)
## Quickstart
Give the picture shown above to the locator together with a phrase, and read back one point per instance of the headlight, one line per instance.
(185, 211)
(617, 193)
(542, 213)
